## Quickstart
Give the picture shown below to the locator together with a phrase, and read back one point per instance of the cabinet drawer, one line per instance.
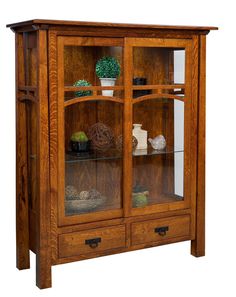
(91, 241)
(160, 229)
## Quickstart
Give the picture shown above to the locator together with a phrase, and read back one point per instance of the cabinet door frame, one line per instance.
(64, 220)
(190, 125)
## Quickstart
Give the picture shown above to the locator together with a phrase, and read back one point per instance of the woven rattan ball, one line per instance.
(101, 136)
(84, 195)
(71, 193)
(119, 142)
(94, 194)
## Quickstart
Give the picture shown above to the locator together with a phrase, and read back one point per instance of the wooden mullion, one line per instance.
(127, 128)
(52, 51)
(198, 244)
(43, 255)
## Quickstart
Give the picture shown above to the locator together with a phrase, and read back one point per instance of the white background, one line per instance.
(163, 271)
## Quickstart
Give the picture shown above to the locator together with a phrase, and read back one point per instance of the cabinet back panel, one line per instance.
(80, 63)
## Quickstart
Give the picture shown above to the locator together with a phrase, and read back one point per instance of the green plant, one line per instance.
(140, 200)
(79, 136)
(107, 67)
(82, 83)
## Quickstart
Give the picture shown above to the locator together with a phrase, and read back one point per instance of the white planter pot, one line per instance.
(107, 82)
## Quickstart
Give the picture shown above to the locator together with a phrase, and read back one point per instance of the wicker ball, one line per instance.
(71, 193)
(84, 195)
(119, 143)
(94, 194)
(101, 136)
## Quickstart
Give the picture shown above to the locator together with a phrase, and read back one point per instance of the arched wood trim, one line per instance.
(155, 96)
(92, 98)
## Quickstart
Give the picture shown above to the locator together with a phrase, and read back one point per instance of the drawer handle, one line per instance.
(93, 242)
(161, 230)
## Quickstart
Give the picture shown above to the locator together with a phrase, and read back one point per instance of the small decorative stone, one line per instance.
(71, 193)
(84, 195)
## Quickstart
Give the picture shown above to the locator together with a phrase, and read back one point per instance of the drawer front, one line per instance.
(160, 229)
(91, 241)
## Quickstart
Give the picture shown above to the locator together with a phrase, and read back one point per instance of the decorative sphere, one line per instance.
(119, 143)
(94, 194)
(71, 193)
(84, 195)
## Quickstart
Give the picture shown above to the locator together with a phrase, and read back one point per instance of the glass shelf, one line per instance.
(113, 154)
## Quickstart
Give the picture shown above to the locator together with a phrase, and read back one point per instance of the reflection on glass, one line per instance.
(93, 164)
(80, 63)
(157, 66)
(158, 173)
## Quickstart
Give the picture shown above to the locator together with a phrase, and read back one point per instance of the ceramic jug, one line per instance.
(141, 136)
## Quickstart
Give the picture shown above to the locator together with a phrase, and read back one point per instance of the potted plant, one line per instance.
(82, 83)
(107, 69)
(79, 142)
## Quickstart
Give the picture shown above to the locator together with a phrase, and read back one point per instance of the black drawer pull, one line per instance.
(161, 230)
(93, 242)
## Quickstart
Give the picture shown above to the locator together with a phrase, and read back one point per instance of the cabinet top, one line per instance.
(44, 24)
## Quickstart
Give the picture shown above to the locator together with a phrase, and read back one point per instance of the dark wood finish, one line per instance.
(198, 245)
(50, 57)
(73, 244)
(145, 232)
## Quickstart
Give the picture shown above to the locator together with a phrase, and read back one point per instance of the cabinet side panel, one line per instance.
(198, 245)
(22, 222)
(31, 66)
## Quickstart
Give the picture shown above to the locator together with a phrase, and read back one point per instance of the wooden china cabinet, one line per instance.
(71, 205)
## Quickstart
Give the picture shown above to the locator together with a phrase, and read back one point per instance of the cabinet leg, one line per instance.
(198, 247)
(22, 249)
(43, 273)
(22, 212)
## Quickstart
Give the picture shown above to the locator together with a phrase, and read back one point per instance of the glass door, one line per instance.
(90, 128)
(160, 98)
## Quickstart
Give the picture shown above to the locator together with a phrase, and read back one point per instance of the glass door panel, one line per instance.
(80, 71)
(160, 114)
(158, 172)
(93, 174)
(92, 159)
(156, 69)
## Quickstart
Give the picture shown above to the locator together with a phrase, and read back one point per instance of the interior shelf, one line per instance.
(113, 154)
(134, 87)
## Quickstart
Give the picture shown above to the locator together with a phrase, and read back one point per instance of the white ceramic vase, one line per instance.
(141, 136)
(107, 82)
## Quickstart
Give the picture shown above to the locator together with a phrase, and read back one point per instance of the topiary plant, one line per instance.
(79, 136)
(107, 67)
(82, 83)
